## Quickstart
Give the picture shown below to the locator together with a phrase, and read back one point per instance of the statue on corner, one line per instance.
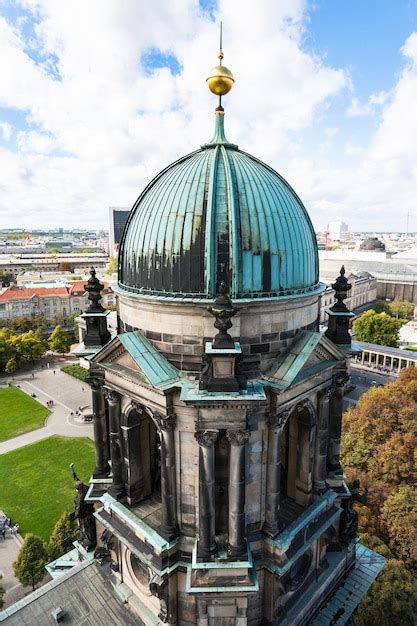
(84, 514)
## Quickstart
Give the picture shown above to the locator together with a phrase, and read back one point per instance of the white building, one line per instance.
(337, 231)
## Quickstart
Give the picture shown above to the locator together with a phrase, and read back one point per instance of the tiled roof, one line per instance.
(77, 286)
(17, 293)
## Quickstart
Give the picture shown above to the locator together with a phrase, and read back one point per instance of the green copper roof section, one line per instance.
(219, 137)
(219, 214)
(287, 368)
(157, 370)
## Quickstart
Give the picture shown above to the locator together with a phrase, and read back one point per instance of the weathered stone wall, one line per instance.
(179, 329)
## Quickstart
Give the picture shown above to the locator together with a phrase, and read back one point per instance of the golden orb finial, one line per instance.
(220, 80)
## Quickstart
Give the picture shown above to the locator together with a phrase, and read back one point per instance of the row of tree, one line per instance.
(378, 444)
(382, 323)
(39, 322)
(18, 349)
(29, 567)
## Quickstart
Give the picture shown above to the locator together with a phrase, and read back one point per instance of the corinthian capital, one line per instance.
(96, 384)
(340, 379)
(238, 437)
(164, 422)
(278, 419)
(206, 438)
(111, 395)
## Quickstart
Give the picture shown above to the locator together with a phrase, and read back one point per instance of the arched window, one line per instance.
(141, 451)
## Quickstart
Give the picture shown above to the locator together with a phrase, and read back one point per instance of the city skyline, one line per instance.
(95, 102)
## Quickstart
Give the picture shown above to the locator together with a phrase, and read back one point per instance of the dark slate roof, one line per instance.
(339, 609)
(86, 596)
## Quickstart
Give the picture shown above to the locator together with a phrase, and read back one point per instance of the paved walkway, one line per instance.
(9, 548)
(68, 395)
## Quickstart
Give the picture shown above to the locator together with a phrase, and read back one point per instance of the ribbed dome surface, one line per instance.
(219, 214)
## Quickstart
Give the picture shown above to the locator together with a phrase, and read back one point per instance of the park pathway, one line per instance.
(67, 393)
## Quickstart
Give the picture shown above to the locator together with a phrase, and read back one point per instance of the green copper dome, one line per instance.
(219, 214)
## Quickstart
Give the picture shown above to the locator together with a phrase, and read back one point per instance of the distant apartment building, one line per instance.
(117, 220)
(77, 262)
(337, 231)
(362, 293)
(29, 301)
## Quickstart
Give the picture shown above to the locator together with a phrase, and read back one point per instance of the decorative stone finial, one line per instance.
(223, 310)
(339, 315)
(342, 288)
(94, 288)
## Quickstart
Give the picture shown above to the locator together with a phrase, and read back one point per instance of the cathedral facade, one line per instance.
(218, 491)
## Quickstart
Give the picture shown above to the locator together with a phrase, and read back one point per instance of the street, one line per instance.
(364, 380)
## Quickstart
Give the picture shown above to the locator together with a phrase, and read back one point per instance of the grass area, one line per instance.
(37, 485)
(19, 413)
(75, 370)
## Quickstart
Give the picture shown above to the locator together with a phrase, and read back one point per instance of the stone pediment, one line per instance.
(133, 355)
(308, 353)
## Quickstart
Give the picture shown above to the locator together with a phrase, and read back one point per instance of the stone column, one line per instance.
(206, 492)
(166, 426)
(320, 452)
(335, 423)
(117, 490)
(237, 484)
(276, 423)
(102, 468)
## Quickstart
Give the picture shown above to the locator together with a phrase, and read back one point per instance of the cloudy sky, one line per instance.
(96, 96)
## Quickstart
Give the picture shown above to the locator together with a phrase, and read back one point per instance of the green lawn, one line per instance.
(36, 482)
(19, 413)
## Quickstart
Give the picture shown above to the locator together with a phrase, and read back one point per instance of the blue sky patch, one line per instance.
(154, 59)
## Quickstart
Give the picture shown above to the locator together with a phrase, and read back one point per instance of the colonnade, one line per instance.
(388, 363)
(114, 452)
(321, 457)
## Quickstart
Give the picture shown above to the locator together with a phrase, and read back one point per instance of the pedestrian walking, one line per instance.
(54, 371)
(82, 388)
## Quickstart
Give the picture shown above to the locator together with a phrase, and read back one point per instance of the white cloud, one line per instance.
(356, 109)
(100, 126)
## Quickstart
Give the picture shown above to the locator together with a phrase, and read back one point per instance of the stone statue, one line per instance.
(83, 513)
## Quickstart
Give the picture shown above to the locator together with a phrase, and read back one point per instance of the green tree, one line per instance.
(11, 365)
(378, 328)
(41, 323)
(369, 428)
(64, 533)
(381, 307)
(70, 321)
(29, 567)
(394, 462)
(399, 514)
(391, 600)
(401, 310)
(58, 341)
(112, 266)
(22, 324)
